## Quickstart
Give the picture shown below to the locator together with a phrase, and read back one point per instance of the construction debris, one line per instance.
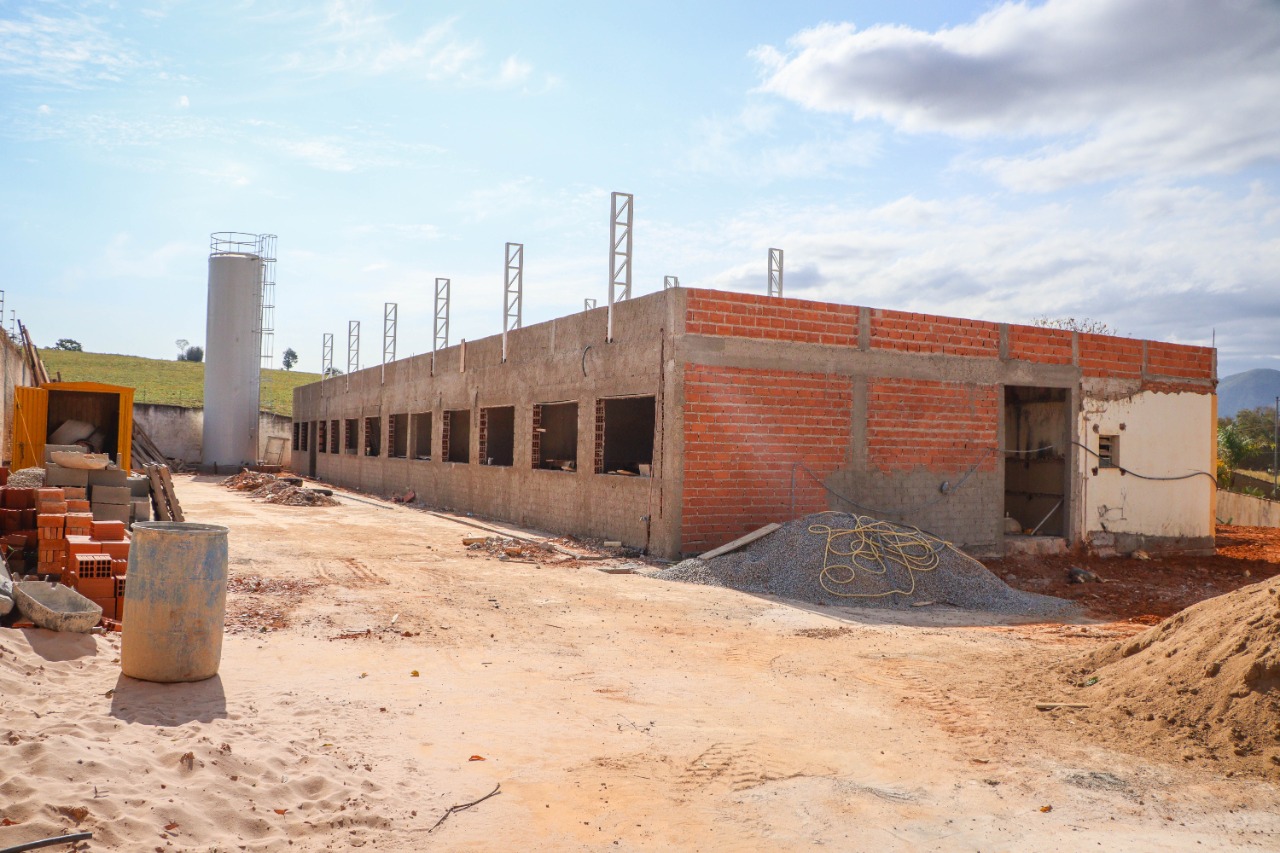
(836, 558)
(278, 490)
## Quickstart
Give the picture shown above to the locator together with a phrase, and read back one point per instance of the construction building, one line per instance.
(709, 414)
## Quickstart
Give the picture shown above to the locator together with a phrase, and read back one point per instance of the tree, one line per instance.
(1071, 324)
(290, 358)
(182, 344)
(68, 345)
(1233, 446)
(332, 371)
(192, 353)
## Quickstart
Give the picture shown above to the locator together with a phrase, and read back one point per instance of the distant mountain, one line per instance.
(1248, 390)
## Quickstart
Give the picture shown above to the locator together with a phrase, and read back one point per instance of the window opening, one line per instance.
(322, 438)
(372, 436)
(1108, 451)
(335, 436)
(351, 435)
(555, 436)
(420, 424)
(297, 436)
(456, 437)
(398, 436)
(305, 427)
(624, 435)
(498, 435)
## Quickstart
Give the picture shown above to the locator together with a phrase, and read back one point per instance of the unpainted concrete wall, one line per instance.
(13, 374)
(1246, 510)
(567, 359)
(178, 430)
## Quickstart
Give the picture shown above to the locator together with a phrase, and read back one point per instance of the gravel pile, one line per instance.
(840, 559)
(27, 478)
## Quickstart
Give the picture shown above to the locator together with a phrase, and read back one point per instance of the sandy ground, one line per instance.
(612, 712)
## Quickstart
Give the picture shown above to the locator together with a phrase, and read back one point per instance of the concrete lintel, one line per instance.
(823, 358)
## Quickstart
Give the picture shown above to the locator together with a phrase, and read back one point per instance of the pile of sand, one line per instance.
(836, 558)
(1205, 682)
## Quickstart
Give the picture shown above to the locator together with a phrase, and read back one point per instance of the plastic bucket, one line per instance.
(174, 601)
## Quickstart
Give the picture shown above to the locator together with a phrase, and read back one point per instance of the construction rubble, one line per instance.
(278, 490)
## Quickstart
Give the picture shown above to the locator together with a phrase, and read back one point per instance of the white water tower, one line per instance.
(238, 323)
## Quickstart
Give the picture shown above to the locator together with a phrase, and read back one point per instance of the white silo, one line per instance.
(233, 347)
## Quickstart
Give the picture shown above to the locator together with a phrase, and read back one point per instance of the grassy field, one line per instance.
(175, 383)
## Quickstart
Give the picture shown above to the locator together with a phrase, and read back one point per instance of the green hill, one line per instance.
(174, 383)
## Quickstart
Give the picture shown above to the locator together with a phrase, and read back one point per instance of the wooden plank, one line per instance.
(158, 500)
(175, 508)
(740, 541)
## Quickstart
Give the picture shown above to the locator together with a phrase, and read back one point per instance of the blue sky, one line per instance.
(1110, 159)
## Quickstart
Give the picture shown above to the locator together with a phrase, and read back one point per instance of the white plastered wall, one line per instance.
(1160, 435)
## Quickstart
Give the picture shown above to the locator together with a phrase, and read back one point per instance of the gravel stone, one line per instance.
(27, 478)
(847, 560)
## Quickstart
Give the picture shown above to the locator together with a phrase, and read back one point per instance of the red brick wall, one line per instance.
(909, 332)
(743, 430)
(1110, 357)
(1046, 346)
(939, 426)
(1179, 360)
(741, 315)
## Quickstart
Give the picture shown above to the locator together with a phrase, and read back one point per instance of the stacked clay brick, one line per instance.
(19, 535)
(87, 555)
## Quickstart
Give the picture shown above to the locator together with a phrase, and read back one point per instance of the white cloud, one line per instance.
(183, 102)
(1172, 264)
(352, 37)
(1105, 88)
(72, 51)
(319, 154)
(748, 146)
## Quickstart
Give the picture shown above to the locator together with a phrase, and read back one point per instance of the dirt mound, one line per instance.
(849, 560)
(1205, 682)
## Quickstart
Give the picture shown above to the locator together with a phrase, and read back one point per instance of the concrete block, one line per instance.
(50, 449)
(119, 495)
(107, 477)
(139, 486)
(111, 512)
(56, 475)
(142, 510)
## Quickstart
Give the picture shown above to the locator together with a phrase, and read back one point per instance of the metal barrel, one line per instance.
(175, 599)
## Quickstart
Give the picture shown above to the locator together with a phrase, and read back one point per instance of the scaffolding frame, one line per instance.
(326, 356)
(622, 210)
(441, 339)
(353, 349)
(775, 272)
(670, 281)
(513, 299)
(390, 319)
(589, 303)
